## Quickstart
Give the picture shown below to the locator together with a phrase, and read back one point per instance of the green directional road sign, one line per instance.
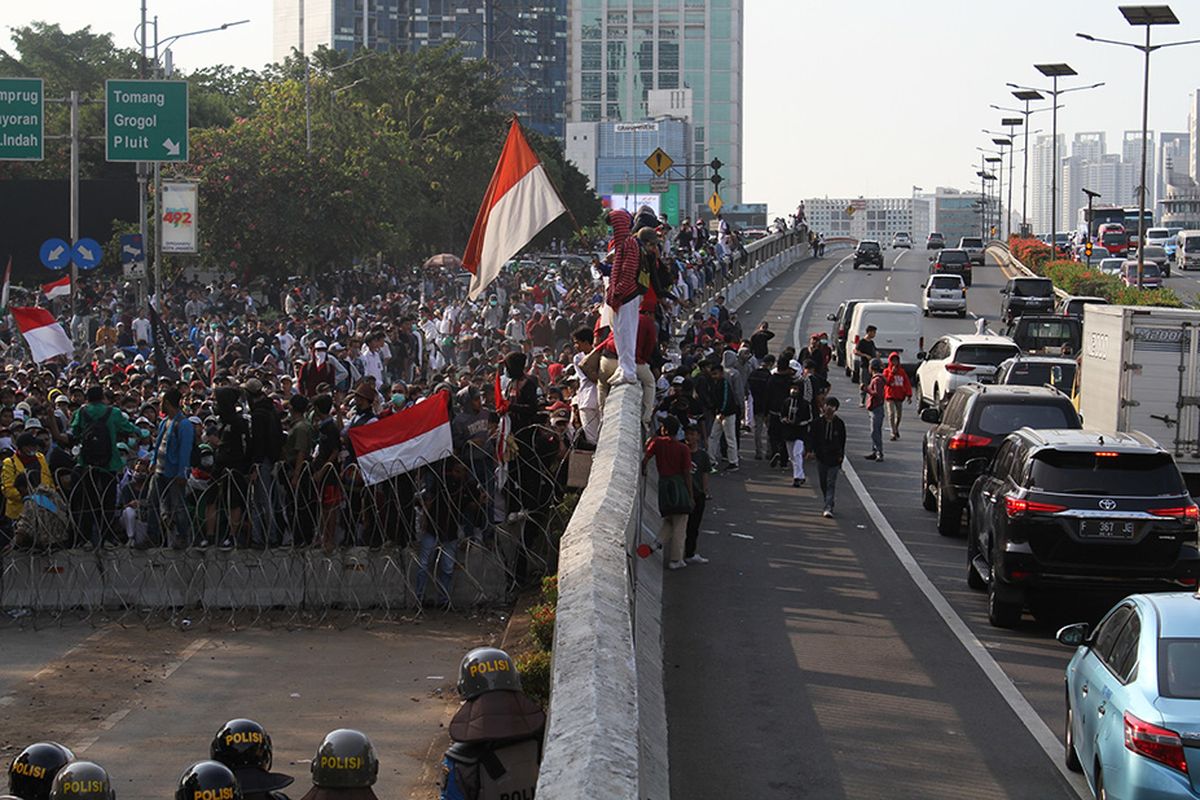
(146, 121)
(22, 119)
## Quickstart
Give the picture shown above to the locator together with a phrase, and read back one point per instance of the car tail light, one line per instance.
(1015, 506)
(959, 369)
(961, 441)
(1151, 741)
(1179, 512)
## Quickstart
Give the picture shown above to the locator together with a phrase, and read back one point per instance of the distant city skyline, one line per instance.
(870, 105)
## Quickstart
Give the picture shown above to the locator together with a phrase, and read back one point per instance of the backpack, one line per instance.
(96, 447)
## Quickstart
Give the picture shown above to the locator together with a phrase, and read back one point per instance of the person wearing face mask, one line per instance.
(21, 474)
(316, 371)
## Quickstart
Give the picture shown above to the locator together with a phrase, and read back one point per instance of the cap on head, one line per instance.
(242, 743)
(32, 772)
(487, 669)
(82, 780)
(208, 780)
(345, 760)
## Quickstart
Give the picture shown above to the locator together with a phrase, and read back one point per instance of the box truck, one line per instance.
(1141, 371)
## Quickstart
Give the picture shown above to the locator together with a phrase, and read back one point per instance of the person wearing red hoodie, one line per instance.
(624, 295)
(897, 391)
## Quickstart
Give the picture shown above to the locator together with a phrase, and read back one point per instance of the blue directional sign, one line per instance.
(132, 251)
(86, 253)
(55, 253)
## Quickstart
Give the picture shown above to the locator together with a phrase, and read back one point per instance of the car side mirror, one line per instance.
(831, 317)
(1073, 635)
(931, 415)
(921, 356)
(1004, 291)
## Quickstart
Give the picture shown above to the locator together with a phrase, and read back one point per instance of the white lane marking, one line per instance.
(1012, 696)
(800, 315)
(995, 674)
(896, 260)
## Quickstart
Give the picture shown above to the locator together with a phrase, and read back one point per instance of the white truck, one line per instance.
(1141, 371)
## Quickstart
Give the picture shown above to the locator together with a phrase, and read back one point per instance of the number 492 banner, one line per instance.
(179, 206)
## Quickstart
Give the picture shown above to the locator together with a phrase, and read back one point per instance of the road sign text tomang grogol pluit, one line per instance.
(146, 120)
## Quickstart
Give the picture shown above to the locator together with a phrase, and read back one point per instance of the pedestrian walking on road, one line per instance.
(756, 385)
(673, 460)
(897, 392)
(876, 389)
(701, 466)
(828, 447)
(723, 400)
(797, 414)
(865, 349)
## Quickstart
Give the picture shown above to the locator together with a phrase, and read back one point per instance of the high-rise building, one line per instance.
(1173, 152)
(620, 52)
(1088, 145)
(1131, 159)
(527, 39)
(1041, 171)
(1193, 164)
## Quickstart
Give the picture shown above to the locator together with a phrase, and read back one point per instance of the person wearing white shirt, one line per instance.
(372, 359)
(586, 401)
(142, 330)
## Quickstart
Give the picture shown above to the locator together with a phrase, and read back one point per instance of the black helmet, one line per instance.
(242, 743)
(82, 780)
(208, 780)
(34, 768)
(487, 669)
(345, 760)
(244, 746)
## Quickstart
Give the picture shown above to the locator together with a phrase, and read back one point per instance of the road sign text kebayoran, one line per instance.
(146, 120)
(22, 119)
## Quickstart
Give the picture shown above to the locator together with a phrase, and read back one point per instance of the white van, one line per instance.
(1187, 249)
(897, 329)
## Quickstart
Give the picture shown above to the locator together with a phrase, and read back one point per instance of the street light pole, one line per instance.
(1026, 96)
(1088, 243)
(1147, 16)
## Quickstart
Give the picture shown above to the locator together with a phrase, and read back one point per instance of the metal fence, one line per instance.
(272, 548)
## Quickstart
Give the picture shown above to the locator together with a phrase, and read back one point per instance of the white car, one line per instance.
(945, 293)
(957, 360)
(902, 240)
(1111, 266)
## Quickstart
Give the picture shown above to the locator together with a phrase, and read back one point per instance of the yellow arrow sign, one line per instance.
(659, 162)
(715, 204)
(850, 211)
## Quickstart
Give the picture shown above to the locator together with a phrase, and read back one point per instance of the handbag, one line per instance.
(673, 495)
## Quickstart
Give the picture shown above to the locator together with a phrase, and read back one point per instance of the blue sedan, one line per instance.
(1133, 699)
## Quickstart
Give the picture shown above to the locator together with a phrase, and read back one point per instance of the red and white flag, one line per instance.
(58, 288)
(45, 337)
(520, 201)
(407, 440)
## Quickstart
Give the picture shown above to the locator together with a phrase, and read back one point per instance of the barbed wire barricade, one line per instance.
(274, 547)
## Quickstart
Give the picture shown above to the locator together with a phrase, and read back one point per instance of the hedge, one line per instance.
(1077, 278)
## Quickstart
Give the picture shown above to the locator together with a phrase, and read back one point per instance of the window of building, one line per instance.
(668, 80)
(719, 24)
(590, 56)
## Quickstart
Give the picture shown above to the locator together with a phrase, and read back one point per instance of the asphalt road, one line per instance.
(847, 657)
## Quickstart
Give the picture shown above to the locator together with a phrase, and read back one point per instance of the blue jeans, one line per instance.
(828, 475)
(877, 430)
(434, 553)
(167, 504)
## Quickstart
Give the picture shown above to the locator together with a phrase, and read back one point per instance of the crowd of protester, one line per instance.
(223, 419)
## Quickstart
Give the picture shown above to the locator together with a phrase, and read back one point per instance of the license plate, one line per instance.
(1106, 529)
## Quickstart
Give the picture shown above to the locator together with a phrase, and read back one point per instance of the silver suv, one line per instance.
(974, 247)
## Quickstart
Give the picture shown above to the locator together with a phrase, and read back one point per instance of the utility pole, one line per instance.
(74, 195)
(143, 290)
(307, 87)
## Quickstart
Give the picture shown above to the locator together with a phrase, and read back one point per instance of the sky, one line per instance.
(842, 98)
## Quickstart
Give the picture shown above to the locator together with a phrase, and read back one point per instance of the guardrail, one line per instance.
(1007, 259)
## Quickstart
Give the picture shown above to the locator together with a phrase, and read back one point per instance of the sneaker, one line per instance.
(677, 565)
(872, 457)
(203, 543)
(796, 482)
(696, 559)
(226, 544)
(732, 468)
(827, 514)
(895, 436)
(879, 457)
(619, 378)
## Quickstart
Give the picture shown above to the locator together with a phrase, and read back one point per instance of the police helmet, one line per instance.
(487, 669)
(82, 780)
(345, 760)
(208, 780)
(242, 743)
(32, 771)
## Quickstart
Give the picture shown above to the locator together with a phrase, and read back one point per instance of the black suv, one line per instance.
(1078, 509)
(868, 252)
(965, 437)
(1045, 334)
(1026, 296)
(951, 262)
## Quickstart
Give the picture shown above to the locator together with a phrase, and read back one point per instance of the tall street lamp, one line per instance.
(984, 177)
(1002, 210)
(1027, 96)
(1054, 72)
(992, 161)
(1147, 16)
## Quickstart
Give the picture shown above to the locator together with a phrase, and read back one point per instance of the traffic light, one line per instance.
(716, 178)
(1087, 249)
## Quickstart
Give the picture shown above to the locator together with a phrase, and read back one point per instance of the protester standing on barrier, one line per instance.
(673, 460)
(345, 767)
(31, 773)
(624, 295)
(497, 733)
(244, 746)
(171, 462)
(96, 427)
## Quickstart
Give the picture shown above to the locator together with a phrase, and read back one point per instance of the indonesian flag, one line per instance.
(45, 337)
(407, 440)
(59, 288)
(520, 201)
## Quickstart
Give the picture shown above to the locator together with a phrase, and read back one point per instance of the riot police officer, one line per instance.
(32, 772)
(344, 768)
(497, 733)
(244, 746)
(82, 780)
(208, 780)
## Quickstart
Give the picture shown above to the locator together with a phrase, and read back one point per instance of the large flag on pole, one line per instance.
(58, 288)
(164, 346)
(520, 202)
(45, 337)
(410, 439)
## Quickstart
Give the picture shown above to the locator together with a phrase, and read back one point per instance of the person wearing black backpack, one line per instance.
(96, 428)
(266, 446)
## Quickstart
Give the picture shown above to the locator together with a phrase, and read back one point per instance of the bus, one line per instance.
(1102, 215)
(1131, 223)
